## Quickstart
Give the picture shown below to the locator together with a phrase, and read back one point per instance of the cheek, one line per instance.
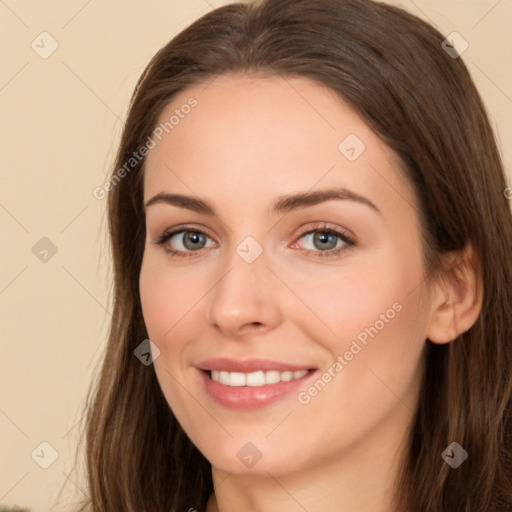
(156, 301)
(372, 365)
(167, 305)
(373, 317)
(338, 305)
(166, 297)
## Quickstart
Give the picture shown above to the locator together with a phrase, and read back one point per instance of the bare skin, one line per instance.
(248, 142)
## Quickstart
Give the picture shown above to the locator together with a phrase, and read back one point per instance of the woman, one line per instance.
(371, 373)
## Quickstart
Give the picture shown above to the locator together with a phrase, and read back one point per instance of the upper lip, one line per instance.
(249, 365)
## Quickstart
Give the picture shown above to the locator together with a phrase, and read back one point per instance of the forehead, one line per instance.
(265, 111)
(250, 134)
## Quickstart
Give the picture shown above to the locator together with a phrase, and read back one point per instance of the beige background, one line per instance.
(61, 121)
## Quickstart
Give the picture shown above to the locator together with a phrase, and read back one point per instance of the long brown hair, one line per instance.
(391, 68)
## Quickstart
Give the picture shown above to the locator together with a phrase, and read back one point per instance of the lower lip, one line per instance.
(251, 397)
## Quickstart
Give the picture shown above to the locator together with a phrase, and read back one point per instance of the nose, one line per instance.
(245, 298)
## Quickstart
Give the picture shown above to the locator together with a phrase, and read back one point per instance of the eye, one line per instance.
(186, 241)
(327, 241)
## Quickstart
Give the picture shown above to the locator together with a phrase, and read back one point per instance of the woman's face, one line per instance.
(271, 281)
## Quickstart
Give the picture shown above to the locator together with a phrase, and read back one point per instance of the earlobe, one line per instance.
(443, 326)
(458, 297)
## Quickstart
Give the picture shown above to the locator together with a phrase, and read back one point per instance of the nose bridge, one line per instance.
(243, 294)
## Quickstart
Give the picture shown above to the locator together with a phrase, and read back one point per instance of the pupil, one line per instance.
(194, 237)
(323, 238)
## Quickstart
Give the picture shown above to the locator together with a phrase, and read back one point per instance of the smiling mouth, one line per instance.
(253, 379)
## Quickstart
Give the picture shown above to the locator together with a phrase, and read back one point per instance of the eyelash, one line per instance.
(322, 228)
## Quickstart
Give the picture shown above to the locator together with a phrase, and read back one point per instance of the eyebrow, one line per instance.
(284, 204)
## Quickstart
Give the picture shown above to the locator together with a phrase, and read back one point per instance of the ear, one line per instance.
(457, 297)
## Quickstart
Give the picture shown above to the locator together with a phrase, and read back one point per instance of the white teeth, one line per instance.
(236, 379)
(259, 378)
(272, 377)
(224, 378)
(286, 376)
(254, 379)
